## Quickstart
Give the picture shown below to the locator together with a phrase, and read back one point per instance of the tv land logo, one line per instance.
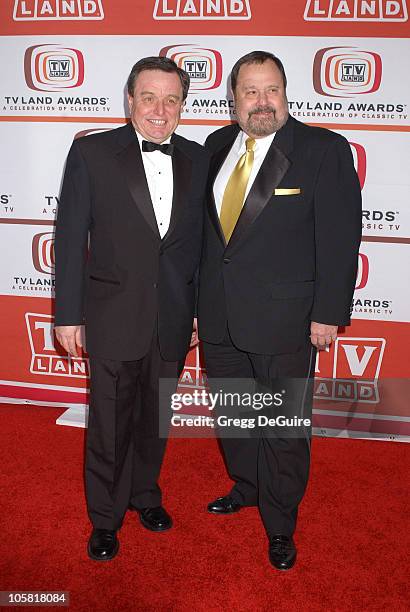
(355, 10)
(345, 72)
(360, 161)
(193, 375)
(362, 272)
(45, 359)
(203, 65)
(42, 248)
(47, 10)
(202, 10)
(349, 370)
(53, 68)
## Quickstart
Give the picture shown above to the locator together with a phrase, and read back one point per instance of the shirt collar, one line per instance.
(262, 144)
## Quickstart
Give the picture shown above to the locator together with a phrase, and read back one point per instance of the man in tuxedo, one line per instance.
(128, 241)
(277, 275)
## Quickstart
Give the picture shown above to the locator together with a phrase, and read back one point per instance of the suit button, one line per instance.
(155, 285)
(227, 260)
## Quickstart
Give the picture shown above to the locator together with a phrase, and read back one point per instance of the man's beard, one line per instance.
(264, 126)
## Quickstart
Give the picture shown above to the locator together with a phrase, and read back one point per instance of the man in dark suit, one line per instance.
(134, 197)
(277, 275)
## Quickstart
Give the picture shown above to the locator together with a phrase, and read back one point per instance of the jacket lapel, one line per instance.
(271, 172)
(130, 159)
(181, 169)
(216, 163)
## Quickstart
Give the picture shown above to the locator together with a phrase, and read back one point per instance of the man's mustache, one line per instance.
(261, 109)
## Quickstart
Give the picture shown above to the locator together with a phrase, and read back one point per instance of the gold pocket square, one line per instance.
(285, 192)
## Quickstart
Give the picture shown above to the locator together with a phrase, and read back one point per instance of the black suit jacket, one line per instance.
(130, 277)
(291, 259)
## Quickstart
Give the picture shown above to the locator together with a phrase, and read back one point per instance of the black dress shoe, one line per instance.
(155, 519)
(282, 552)
(224, 505)
(103, 545)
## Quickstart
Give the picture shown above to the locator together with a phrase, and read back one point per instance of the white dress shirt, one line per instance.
(237, 150)
(158, 170)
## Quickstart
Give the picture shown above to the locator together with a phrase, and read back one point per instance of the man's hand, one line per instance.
(194, 336)
(69, 336)
(322, 335)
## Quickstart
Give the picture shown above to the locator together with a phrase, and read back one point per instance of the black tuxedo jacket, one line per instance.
(292, 258)
(130, 277)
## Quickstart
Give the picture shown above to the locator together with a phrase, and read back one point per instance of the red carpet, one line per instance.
(353, 535)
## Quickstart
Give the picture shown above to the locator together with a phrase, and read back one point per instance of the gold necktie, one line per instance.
(235, 190)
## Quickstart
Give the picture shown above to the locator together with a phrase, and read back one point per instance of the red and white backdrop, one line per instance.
(63, 71)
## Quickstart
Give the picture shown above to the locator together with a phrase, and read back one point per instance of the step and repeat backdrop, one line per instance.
(62, 76)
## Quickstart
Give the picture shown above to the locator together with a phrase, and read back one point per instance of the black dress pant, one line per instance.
(123, 450)
(269, 471)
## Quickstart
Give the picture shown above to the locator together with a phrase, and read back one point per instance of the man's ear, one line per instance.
(130, 101)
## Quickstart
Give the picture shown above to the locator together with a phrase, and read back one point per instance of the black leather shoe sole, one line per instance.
(224, 512)
(157, 528)
(106, 557)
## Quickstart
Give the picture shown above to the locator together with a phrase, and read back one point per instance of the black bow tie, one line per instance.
(148, 147)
